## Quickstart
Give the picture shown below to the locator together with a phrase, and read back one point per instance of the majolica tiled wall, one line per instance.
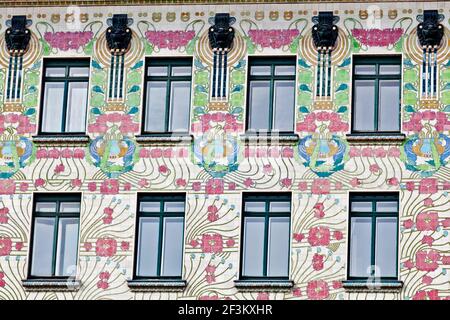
(320, 183)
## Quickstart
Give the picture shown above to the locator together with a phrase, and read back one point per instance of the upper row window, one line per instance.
(271, 95)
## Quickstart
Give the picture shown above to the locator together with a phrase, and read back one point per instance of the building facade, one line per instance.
(224, 150)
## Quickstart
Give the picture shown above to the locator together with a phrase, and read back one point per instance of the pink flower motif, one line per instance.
(297, 292)
(262, 296)
(286, 183)
(214, 186)
(409, 264)
(354, 152)
(298, 237)
(427, 261)
(18, 246)
(163, 169)
(87, 246)
(319, 210)
(180, 182)
(428, 240)
(212, 297)
(338, 235)
(317, 290)
(144, 153)
(76, 183)
(66, 153)
(5, 246)
(394, 152)
(210, 278)
(156, 153)
(106, 247)
(267, 169)
(168, 153)
(355, 182)
(78, 154)
(392, 181)
(196, 186)
(212, 243)
(410, 186)
(317, 261)
(428, 186)
(41, 154)
(212, 213)
(367, 152)
(377, 37)
(2, 282)
(23, 187)
(59, 168)
(321, 186)
(427, 221)
(319, 236)
(7, 186)
(109, 186)
(249, 182)
(53, 154)
(374, 168)
(104, 275)
(92, 186)
(230, 242)
(126, 186)
(4, 215)
(124, 245)
(287, 152)
(336, 284)
(39, 182)
(446, 185)
(302, 186)
(380, 152)
(273, 38)
(426, 295)
(101, 284)
(408, 224)
(69, 40)
(446, 223)
(338, 185)
(445, 260)
(171, 40)
(107, 220)
(231, 186)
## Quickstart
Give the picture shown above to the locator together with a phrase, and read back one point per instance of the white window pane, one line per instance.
(147, 255)
(52, 107)
(387, 206)
(259, 105)
(172, 254)
(46, 206)
(364, 105)
(155, 118)
(66, 259)
(55, 72)
(252, 264)
(76, 107)
(365, 69)
(150, 206)
(280, 206)
(358, 206)
(360, 247)
(255, 206)
(285, 70)
(42, 247)
(174, 206)
(389, 105)
(70, 207)
(179, 105)
(278, 254)
(390, 69)
(284, 105)
(157, 71)
(181, 71)
(79, 72)
(386, 247)
(260, 70)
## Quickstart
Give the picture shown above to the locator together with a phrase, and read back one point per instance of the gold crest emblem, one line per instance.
(156, 16)
(185, 16)
(363, 14)
(392, 13)
(259, 15)
(55, 18)
(171, 16)
(288, 15)
(84, 17)
(273, 15)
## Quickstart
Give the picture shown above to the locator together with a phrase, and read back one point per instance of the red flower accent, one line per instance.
(427, 261)
(212, 243)
(321, 186)
(319, 236)
(230, 242)
(7, 186)
(248, 182)
(297, 292)
(214, 186)
(39, 182)
(428, 240)
(196, 186)
(428, 202)
(299, 237)
(410, 186)
(231, 186)
(338, 235)
(106, 247)
(273, 38)
(427, 221)
(110, 186)
(262, 296)
(408, 224)
(212, 213)
(4, 215)
(377, 37)
(5, 246)
(171, 40)
(374, 168)
(69, 39)
(23, 187)
(428, 186)
(194, 243)
(267, 169)
(124, 245)
(319, 210)
(317, 261)
(336, 284)
(427, 280)
(286, 183)
(19, 246)
(76, 183)
(392, 181)
(87, 246)
(92, 186)
(101, 284)
(317, 290)
(354, 152)
(287, 152)
(163, 169)
(180, 182)
(426, 295)
(104, 275)
(409, 264)
(2, 282)
(143, 183)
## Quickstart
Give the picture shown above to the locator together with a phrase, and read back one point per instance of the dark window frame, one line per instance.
(170, 63)
(162, 198)
(56, 198)
(273, 62)
(376, 60)
(67, 63)
(373, 197)
(267, 198)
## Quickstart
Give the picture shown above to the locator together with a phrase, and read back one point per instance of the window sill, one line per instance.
(380, 286)
(157, 285)
(158, 139)
(270, 137)
(51, 284)
(61, 139)
(256, 285)
(395, 138)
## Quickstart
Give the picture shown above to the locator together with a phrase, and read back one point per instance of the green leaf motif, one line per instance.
(97, 100)
(305, 76)
(341, 98)
(342, 75)
(133, 99)
(304, 98)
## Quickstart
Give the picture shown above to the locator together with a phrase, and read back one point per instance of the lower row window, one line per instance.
(265, 232)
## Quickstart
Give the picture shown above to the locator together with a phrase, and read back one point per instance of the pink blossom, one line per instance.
(262, 296)
(298, 237)
(124, 245)
(59, 168)
(230, 242)
(272, 38)
(19, 246)
(171, 40)
(393, 181)
(286, 182)
(39, 182)
(336, 284)
(76, 183)
(297, 292)
(53, 154)
(110, 186)
(394, 152)
(214, 186)
(338, 235)
(92, 186)
(408, 224)
(66, 153)
(7, 186)
(2, 282)
(126, 186)
(87, 246)
(163, 169)
(69, 40)
(354, 152)
(428, 240)
(410, 186)
(409, 264)
(374, 168)
(426, 295)
(143, 183)
(319, 236)
(101, 284)
(380, 152)
(427, 221)
(106, 247)
(446, 223)
(231, 186)
(4, 215)
(41, 154)
(5, 246)
(180, 182)
(377, 37)
(338, 185)
(427, 261)
(302, 186)
(319, 210)
(428, 186)
(355, 182)
(367, 152)
(317, 261)
(321, 186)
(287, 152)
(194, 243)
(317, 290)
(78, 153)
(267, 169)
(212, 243)
(196, 186)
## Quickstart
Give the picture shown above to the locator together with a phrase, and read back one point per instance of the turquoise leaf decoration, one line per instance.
(97, 89)
(96, 111)
(200, 88)
(408, 63)
(198, 64)
(237, 88)
(30, 111)
(409, 108)
(137, 65)
(345, 63)
(240, 64)
(96, 65)
(302, 63)
(447, 86)
(342, 109)
(447, 108)
(342, 87)
(409, 86)
(199, 110)
(303, 109)
(304, 87)
(133, 110)
(32, 89)
(134, 88)
(237, 110)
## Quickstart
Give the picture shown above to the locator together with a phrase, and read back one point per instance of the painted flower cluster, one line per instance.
(274, 39)
(378, 37)
(68, 40)
(171, 40)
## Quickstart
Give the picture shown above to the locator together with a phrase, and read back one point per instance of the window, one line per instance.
(55, 236)
(376, 94)
(266, 234)
(159, 243)
(373, 236)
(168, 95)
(271, 94)
(65, 95)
